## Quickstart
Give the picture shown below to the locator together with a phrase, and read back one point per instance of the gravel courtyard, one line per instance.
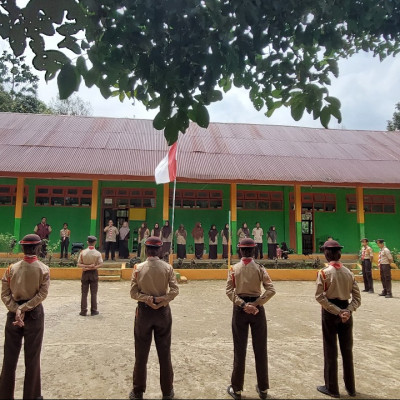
(92, 357)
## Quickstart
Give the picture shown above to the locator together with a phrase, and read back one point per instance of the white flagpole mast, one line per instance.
(172, 225)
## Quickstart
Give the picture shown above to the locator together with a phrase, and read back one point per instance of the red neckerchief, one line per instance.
(91, 247)
(247, 260)
(30, 259)
(336, 264)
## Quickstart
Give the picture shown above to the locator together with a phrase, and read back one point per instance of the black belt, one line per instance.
(248, 299)
(21, 302)
(340, 303)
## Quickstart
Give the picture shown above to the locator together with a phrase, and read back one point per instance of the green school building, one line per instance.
(310, 183)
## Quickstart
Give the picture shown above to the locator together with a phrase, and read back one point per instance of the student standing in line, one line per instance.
(111, 238)
(384, 261)
(335, 286)
(243, 288)
(258, 238)
(143, 234)
(181, 236)
(198, 237)
(166, 237)
(225, 241)
(272, 240)
(65, 235)
(24, 286)
(367, 256)
(213, 242)
(156, 231)
(124, 234)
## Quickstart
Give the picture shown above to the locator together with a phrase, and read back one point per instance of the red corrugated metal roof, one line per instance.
(76, 146)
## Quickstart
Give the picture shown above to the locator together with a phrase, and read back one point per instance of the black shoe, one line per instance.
(83, 313)
(135, 396)
(351, 394)
(94, 313)
(382, 294)
(233, 394)
(389, 296)
(371, 291)
(262, 394)
(169, 396)
(324, 390)
(365, 290)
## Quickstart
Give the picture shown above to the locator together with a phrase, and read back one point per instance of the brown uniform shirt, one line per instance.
(337, 283)
(258, 235)
(111, 233)
(25, 281)
(180, 239)
(90, 256)
(153, 278)
(241, 234)
(385, 256)
(367, 252)
(65, 233)
(246, 280)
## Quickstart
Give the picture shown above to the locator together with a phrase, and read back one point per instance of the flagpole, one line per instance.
(171, 253)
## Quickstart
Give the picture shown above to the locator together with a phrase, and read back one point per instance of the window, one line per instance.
(201, 199)
(8, 195)
(376, 204)
(63, 196)
(256, 200)
(319, 202)
(129, 198)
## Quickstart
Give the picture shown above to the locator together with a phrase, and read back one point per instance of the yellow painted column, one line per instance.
(360, 211)
(95, 203)
(233, 208)
(297, 209)
(19, 201)
(166, 202)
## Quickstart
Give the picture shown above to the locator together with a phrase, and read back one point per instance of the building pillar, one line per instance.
(233, 216)
(94, 207)
(297, 210)
(360, 211)
(166, 203)
(286, 214)
(19, 201)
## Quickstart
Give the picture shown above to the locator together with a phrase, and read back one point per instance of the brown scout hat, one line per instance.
(380, 240)
(92, 239)
(247, 242)
(331, 244)
(30, 239)
(153, 241)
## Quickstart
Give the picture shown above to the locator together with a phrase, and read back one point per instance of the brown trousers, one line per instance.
(386, 278)
(240, 330)
(332, 329)
(32, 333)
(148, 321)
(89, 279)
(367, 274)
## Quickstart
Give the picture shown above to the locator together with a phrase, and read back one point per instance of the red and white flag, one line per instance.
(166, 170)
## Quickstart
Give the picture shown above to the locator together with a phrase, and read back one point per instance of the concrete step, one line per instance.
(109, 271)
(110, 278)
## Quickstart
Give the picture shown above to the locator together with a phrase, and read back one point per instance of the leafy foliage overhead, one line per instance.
(179, 56)
(394, 123)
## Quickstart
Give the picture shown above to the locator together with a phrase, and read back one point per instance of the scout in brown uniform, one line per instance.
(25, 285)
(149, 286)
(258, 238)
(90, 260)
(384, 261)
(111, 238)
(143, 234)
(335, 286)
(65, 234)
(243, 287)
(367, 255)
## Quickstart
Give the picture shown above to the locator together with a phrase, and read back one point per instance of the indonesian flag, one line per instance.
(166, 170)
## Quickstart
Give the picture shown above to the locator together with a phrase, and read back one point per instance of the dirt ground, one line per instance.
(92, 357)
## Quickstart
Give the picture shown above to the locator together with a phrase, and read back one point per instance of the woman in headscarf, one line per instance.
(166, 237)
(156, 231)
(181, 236)
(225, 240)
(198, 236)
(242, 233)
(271, 238)
(124, 233)
(143, 234)
(213, 242)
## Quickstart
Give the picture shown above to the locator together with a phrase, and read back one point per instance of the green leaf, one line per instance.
(67, 81)
(81, 65)
(215, 95)
(171, 131)
(159, 121)
(202, 116)
(325, 117)
(333, 101)
(297, 107)
(276, 94)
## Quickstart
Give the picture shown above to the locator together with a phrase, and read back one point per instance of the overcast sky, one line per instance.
(367, 88)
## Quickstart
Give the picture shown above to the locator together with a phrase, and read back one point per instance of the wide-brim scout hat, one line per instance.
(247, 243)
(30, 239)
(153, 241)
(331, 244)
(92, 239)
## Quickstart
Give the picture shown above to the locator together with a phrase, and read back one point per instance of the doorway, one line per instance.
(307, 231)
(118, 216)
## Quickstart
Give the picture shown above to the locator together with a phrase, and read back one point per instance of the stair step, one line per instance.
(109, 271)
(109, 278)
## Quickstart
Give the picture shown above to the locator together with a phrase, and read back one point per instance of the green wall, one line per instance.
(7, 213)
(384, 226)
